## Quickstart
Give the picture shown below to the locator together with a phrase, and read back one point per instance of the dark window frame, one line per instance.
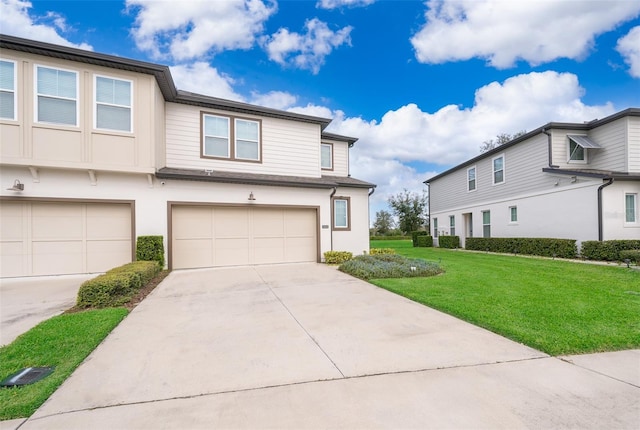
(232, 137)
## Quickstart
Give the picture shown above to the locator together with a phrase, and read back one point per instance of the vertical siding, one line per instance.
(288, 147)
(634, 144)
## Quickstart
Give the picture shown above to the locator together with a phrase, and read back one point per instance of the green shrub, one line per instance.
(150, 248)
(451, 242)
(388, 266)
(424, 241)
(390, 237)
(631, 254)
(561, 248)
(608, 250)
(378, 251)
(117, 286)
(416, 234)
(337, 257)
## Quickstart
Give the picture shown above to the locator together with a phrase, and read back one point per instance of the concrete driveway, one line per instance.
(305, 346)
(25, 302)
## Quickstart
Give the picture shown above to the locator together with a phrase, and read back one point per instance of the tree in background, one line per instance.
(411, 210)
(383, 223)
(501, 139)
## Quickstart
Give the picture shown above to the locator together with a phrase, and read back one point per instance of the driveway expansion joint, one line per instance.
(569, 361)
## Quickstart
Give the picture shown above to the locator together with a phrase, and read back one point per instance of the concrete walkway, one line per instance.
(305, 346)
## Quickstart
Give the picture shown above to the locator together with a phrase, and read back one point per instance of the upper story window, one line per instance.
(578, 148)
(471, 178)
(8, 108)
(56, 96)
(113, 102)
(231, 138)
(326, 156)
(498, 170)
(341, 211)
(576, 152)
(631, 208)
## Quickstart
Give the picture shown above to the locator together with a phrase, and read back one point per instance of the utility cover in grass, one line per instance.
(389, 266)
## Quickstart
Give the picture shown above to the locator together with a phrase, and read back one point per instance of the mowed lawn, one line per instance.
(559, 307)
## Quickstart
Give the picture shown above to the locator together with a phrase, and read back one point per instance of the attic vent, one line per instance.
(26, 376)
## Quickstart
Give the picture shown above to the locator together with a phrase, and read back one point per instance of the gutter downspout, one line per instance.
(549, 149)
(333, 193)
(600, 188)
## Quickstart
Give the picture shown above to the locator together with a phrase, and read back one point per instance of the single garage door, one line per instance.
(210, 236)
(51, 238)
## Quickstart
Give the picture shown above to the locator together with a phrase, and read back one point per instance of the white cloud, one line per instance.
(201, 78)
(192, 29)
(274, 99)
(315, 110)
(308, 50)
(15, 20)
(629, 47)
(503, 32)
(334, 4)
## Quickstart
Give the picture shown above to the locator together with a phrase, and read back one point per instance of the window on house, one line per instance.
(326, 156)
(452, 225)
(230, 138)
(341, 211)
(113, 104)
(498, 170)
(216, 133)
(8, 90)
(56, 96)
(486, 223)
(576, 152)
(435, 227)
(513, 211)
(471, 179)
(247, 139)
(631, 208)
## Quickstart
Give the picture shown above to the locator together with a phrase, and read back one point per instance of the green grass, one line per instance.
(559, 307)
(64, 342)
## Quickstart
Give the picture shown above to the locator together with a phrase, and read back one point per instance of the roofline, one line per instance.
(333, 136)
(620, 176)
(549, 126)
(161, 73)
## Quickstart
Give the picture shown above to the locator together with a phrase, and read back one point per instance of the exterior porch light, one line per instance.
(17, 186)
(251, 197)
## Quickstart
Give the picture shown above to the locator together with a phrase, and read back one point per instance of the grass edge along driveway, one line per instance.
(558, 307)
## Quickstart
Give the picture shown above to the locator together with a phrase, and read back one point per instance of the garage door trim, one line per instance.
(171, 204)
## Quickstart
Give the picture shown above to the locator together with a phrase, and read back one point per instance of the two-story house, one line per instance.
(96, 150)
(562, 180)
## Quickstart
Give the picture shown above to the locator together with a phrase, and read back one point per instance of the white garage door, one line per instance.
(50, 238)
(208, 236)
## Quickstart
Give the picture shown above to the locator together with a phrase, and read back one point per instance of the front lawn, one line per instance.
(555, 306)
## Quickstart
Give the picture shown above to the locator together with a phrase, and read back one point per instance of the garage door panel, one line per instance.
(192, 223)
(268, 250)
(300, 249)
(51, 221)
(232, 252)
(192, 253)
(12, 258)
(268, 223)
(57, 257)
(300, 223)
(11, 222)
(231, 223)
(108, 221)
(103, 255)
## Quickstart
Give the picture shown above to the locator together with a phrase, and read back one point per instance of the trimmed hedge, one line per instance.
(150, 248)
(561, 248)
(608, 250)
(416, 234)
(424, 241)
(632, 254)
(451, 242)
(381, 251)
(117, 286)
(337, 257)
(389, 237)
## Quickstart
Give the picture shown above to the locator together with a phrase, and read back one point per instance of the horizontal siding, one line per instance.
(634, 144)
(288, 147)
(340, 158)
(613, 138)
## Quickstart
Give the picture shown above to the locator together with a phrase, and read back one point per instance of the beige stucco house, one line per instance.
(96, 150)
(562, 180)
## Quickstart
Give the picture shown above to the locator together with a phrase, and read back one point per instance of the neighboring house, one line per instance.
(562, 180)
(107, 149)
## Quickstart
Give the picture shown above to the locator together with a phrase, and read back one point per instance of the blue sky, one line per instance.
(421, 83)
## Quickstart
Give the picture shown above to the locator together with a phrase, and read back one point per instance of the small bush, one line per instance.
(117, 286)
(388, 266)
(150, 248)
(416, 234)
(337, 257)
(450, 242)
(424, 241)
(390, 237)
(378, 251)
(561, 248)
(608, 250)
(631, 254)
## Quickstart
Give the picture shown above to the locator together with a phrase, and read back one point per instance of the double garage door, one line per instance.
(210, 236)
(53, 238)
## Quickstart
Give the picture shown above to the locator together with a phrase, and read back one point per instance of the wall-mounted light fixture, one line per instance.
(17, 186)
(574, 179)
(251, 197)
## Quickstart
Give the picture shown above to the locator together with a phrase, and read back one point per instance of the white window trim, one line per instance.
(570, 161)
(484, 225)
(435, 227)
(347, 201)
(36, 94)
(511, 221)
(635, 202)
(330, 145)
(204, 136)
(95, 104)
(504, 170)
(14, 91)
(476, 179)
(452, 226)
(235, 140)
